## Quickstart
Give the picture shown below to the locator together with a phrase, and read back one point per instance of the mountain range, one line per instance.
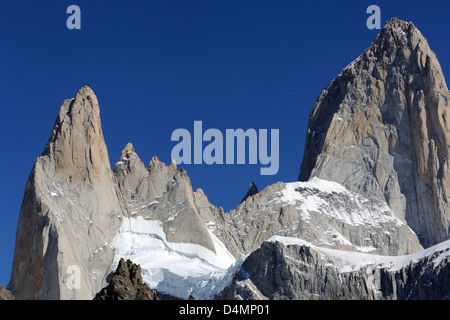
(368, 217)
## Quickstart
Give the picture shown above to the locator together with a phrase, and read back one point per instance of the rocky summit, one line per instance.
(368, 218)
(381, 129)
(252, 190)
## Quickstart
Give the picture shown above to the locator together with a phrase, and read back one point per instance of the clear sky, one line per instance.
(156, 66)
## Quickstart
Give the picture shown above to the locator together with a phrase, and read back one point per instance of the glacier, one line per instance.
(177, 269)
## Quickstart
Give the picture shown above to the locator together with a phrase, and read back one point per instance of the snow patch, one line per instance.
(148, 205)
(313, 197)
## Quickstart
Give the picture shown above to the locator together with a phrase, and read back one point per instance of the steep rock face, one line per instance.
(252, 190)
(288, 268)
(170, 230)
(70, 212)
(381, 129)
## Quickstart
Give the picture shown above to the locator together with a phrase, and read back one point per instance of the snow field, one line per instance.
(195, 269)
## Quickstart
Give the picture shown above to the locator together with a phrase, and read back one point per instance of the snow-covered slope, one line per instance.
(347, 261)
(178, 269)
(329, 198)
(322, 212)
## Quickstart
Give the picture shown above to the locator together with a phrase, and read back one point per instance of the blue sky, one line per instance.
(156, 66)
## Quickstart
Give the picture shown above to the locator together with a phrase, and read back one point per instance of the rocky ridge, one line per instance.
(163, 193)
(70, 211)
(252, 190)
(74, 207)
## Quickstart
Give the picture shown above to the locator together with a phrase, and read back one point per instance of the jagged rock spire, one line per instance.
(127, 284)
(252, 190)
(76, 145)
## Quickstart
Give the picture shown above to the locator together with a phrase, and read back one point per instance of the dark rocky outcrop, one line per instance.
(70, 211)
(127, 284)
(252, 190)
(74, 205)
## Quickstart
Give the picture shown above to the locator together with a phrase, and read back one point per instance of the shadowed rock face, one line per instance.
(289, 271)
(381, 128)
(162, 193)
(70, 211)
